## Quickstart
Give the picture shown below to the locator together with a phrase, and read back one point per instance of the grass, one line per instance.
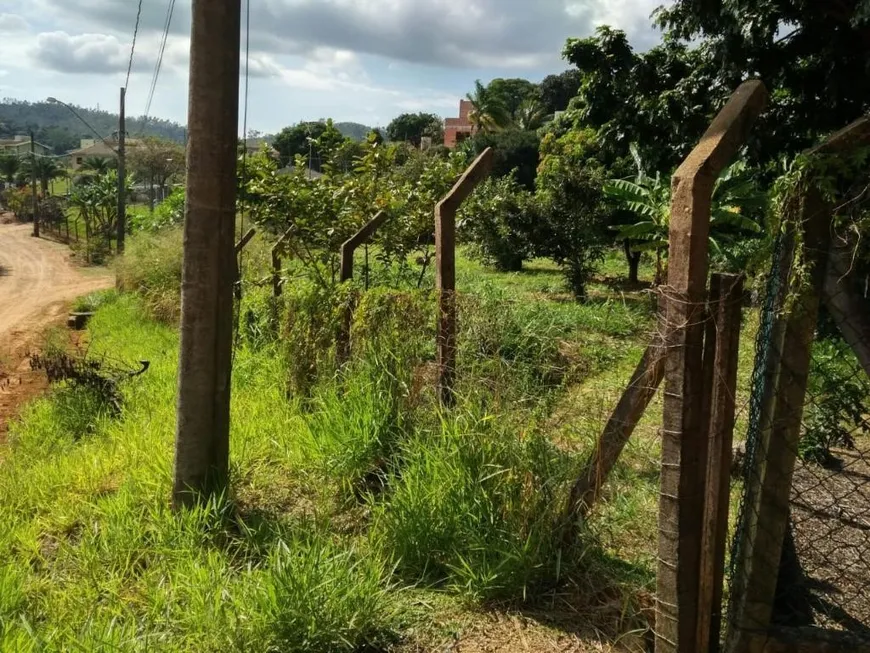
(361, 517)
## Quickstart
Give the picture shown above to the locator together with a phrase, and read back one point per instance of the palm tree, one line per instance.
(488, 113)
(9, 167)
(98, 165)
(649, 198)
(44, 169)
(531, 115)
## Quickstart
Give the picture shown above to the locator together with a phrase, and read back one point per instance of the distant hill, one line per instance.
(353, 130)
(55, 126)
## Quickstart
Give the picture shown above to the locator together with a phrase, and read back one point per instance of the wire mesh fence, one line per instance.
(801, 550)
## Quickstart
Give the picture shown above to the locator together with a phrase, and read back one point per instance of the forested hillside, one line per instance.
(56, 126)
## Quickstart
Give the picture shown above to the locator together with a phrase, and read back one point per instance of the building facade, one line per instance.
(458, 129)
(20, 146)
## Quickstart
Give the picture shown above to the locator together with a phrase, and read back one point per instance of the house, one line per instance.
(256, 145)
(19, 146)
(91, 148)
(458, 129)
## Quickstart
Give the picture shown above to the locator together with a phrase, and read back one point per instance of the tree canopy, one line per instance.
(412, 127)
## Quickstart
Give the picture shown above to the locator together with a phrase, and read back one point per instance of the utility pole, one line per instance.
(33, 186)
(201, 468)
(122, 173)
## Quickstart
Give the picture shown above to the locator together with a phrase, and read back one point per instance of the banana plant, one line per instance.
(736, 197)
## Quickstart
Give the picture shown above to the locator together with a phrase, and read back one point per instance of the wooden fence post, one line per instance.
(445, 272)
(684, 434)
(349, 247)
(277, 289)
(237, 286)
(766, 511)
(723, 334)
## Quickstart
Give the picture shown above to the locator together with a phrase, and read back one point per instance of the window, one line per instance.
(78, 160)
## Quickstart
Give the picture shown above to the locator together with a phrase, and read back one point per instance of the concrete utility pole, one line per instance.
(122, 173)
(202, 435)
(33, 187)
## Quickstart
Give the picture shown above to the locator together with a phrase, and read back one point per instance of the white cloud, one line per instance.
(12, 24)
(82, 53)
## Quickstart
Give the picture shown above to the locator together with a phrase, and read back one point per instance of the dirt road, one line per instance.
(37, 283)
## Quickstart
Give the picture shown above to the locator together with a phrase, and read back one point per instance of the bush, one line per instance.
(501, 220)
(151, 267)
(169, 213)
(571, 196)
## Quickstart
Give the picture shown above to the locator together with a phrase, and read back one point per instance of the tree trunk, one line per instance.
(633, 259)
(201, 467)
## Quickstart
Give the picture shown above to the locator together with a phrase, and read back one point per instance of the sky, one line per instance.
(351, 60)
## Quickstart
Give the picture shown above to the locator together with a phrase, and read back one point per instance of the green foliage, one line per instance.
(839, 400)
(557, 91)
(42, 169)
(9, 167)
(316, 142)
(501, 220)
(156, 161)
(97, 205)
(516, 152)
(169, 213)
(327, 210)
(20, 202)
(810, 55)
(661, 99)
(412, 127)
(569, 189)
(489, 110)
(151, 266)
(513, 94)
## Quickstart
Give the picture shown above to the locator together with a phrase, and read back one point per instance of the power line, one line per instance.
(159, 63)
(133, 47)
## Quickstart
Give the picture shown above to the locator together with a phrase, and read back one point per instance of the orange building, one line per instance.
(458, 129)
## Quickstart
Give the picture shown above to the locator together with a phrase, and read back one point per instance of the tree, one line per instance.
(156, 161)
(98, 165)
(531, 115)
(661, 100)
(512, 93)
(516, 152)
(314, 141)
(557, 91)
(44, 169)
(412, 127)
(488, 113)
(736, 199)
(9, 167)
(572, 206)
(811, 55)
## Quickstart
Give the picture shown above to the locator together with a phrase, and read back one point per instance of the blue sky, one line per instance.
(359, 60)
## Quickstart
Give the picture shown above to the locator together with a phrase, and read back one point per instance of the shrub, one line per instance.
(501, 220)
(151, 267)
(516, 153)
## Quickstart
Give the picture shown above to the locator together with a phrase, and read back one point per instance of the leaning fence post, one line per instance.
(277, 288)
(684, 433)
(240, 246)
(769, 477)
(445, 271)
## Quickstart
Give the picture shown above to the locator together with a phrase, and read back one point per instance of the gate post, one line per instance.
(684, 432)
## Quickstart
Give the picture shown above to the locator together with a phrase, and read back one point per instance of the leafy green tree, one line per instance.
(557, 91)
(43, 169)
(156, 162)
(315, 142)
(489, 111)
(811, 55)
(9, 167)
(513, 93)
(501, 220)
(531, 115)
(412, 127)
(99, 165)
(516, 152)
(661, 100)
(572, 205)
